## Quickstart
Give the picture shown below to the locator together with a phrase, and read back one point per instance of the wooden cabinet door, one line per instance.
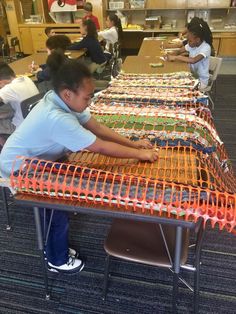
(38, 34)
(155, 4)
(216, 45)
(39, 46)
(26, 40)
(227, 47)
(197, 3)
(173, 4)
(39, 39)
(218, 3)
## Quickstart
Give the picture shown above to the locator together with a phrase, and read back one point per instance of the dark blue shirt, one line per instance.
(94, 49)
(43, 75)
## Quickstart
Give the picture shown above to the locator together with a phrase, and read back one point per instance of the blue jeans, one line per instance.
(57, 246)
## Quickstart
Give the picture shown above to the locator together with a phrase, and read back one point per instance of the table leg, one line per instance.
(178, 247)
(41, 249)
(5, 207)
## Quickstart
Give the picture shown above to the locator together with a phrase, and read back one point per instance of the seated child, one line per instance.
(49, 31)
(199, 49)
(13, 90)
(66, 124)
(197, 20)
(61, 42)
(91, 43)
(113, 33)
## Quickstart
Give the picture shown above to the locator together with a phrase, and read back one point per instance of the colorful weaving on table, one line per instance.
(153, 94)
(192, 177)
(181, 182)
(143, 108)
(164, 76)
(188, 82)
(167, 128)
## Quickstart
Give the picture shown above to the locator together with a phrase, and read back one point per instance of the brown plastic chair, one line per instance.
(152, 244)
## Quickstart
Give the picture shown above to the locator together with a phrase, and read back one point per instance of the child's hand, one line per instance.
(33, 67)
(143, 144)
(170, 57)
(148, 155)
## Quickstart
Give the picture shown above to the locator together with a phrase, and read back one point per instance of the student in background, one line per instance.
(88, 8)
(113, 33)
(197, 20)
(199, 49)
(60, 42)
(90, 42)
(65, 124)
(49, 31)
(13, 90)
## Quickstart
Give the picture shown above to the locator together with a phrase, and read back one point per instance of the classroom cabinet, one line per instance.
(154, 4)
(218, 3)
(196, 3)
(26, 40)
(176, 4)
(39, 38)
(227, 47)
(166, 4)
(216, 45)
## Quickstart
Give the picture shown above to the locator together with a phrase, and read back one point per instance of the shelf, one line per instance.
(187, 8)
(227, 32)
(126, 10)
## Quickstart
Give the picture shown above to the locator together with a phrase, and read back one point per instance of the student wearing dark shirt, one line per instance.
(90, 42)
(55, 42)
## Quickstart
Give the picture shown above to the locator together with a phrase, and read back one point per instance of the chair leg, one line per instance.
(196, 291)
(197, 265)
(5, 206)
(175, 292)
(211, 100)
(106, 275)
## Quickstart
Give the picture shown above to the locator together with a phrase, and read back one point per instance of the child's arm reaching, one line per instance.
(190, 60)
(107, 134)
(120, 151)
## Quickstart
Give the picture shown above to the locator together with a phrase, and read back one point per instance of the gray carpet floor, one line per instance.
(133, 288)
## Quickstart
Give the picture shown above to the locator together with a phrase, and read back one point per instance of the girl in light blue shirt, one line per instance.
(199, 49)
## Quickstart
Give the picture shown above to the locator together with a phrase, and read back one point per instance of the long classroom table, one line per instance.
(135, 65)
(21, 66)
(154, 47)
(142, 64)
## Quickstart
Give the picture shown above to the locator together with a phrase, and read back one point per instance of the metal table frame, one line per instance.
(180, 224)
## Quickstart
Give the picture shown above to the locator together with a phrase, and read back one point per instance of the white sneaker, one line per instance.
(72, 266)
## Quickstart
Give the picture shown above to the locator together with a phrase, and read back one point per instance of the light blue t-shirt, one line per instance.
(201, 68)
(49, 131)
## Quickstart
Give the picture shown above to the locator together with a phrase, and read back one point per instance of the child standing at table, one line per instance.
(199, 49)
(88, 8)
(59, 123)
(90, 42)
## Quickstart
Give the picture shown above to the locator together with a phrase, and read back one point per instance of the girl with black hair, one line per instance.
(196, 20)
(90, 42)
(113, 33)
(58, 43)
(199, 48)
(60, 123)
